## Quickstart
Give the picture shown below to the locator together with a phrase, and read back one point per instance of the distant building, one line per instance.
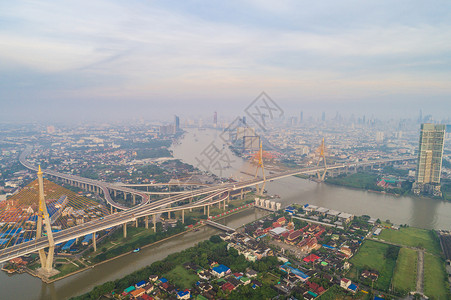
(430, 153)
(166, 130)
(379, 137)
(176, 124)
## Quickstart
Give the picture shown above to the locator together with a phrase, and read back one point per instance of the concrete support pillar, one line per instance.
(125, 196)
(146, 221)
(114, 193)
(242, 194)
(208, 210)
(125, 230)
(183, 216)
(134, 199)
(94, 242)
(111, 209)
(190, 201)
(205, 210)
(154, 217)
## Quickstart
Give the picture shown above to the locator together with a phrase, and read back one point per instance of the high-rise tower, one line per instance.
(429, 164)
(176, 124)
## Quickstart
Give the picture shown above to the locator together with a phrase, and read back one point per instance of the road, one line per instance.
(147, 208)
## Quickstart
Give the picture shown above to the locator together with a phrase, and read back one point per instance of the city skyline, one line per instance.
(107, 61)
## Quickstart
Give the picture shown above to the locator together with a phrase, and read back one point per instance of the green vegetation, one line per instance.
(303, 176)
(270, 278)
(413, 237)
(446, 190)
(65, 269)
(336, 292)
(116, 244)
(200, 254)
(435, 278)
(153, 153)
(405, 276)
(181, 277)
(247, 292)
(389, 170)
(366, 181)
(375, 256)
(446, 163)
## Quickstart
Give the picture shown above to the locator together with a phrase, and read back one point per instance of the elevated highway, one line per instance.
(214, 195)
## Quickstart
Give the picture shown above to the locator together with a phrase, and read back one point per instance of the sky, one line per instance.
(111, 60)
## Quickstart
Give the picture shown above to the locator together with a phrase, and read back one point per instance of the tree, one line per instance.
(215, 239)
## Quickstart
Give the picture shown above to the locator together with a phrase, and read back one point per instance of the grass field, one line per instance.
(412, 237)
(270, 278)
(181, 277)
(406, 270)
(335, 292)
(372, 255)
(65, 269)
(435, 278)
(358, 180)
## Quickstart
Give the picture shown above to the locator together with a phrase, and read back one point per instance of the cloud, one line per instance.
(139, 51)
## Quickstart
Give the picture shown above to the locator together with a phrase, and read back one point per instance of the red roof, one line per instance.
(228, 287)
(294, 235)
(282, 219)
(311, 258)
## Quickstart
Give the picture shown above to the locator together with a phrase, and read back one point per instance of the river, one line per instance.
(415, 211)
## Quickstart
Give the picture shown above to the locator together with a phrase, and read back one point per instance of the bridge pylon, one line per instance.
(322, 156)
(260, 165)
(46, 260)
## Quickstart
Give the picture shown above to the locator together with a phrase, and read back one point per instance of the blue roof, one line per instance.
(87, 238)
(182, 293)
(162, 279)
(352, 287)
(68, 244)
(378, 298)
(329, 247)
(221, 269)
(295, 271)
(12, 232)
(141, 283)
(21, 240)
(3, 241)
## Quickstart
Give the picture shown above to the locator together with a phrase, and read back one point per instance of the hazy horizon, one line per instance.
(109, 60)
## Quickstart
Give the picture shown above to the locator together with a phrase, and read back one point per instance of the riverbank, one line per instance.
(187, 230)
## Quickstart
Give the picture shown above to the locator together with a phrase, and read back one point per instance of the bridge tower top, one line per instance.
(260, 166)
(322, 156)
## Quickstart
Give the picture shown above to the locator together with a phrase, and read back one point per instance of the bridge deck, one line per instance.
(219, 226)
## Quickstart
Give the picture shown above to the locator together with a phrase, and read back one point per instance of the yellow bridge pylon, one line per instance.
(46, 259)
(261, 189)
(322, 156)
